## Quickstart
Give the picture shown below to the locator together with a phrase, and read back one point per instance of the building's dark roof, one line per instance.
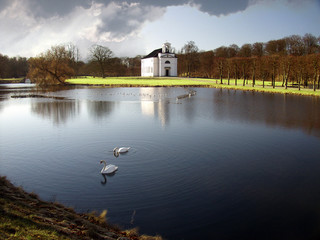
(153, 54)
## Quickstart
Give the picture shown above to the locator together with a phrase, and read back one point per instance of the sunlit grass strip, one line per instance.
(192, 82)
(11, 79)
(137, 82)
(260, 88)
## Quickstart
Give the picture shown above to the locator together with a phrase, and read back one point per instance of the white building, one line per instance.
(160, 63)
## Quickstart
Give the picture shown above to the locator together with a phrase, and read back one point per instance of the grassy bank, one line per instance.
(137, 82)
(192, 82)
(11, 80)
(25, 216)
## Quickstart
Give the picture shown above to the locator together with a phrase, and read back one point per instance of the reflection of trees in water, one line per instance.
(100, 109)
(57, 111)
(272, 109)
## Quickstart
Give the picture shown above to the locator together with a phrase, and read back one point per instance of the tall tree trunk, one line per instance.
(254, 73)
(102, 70)
(235, 74)
(243, 74)
(299, 81)
(273, 74)
(273, 78)
(286, 75)
(221, 70)
(253, 78)
(306, 84)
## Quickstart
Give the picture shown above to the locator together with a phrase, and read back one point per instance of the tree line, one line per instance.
(61, 62)
(14, 67)
(291, 60)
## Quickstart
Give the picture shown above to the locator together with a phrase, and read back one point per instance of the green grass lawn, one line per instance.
(191, 82)
(11, 79)
(136, 81)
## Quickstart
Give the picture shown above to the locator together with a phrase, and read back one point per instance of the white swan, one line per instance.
(121, 150)
(107, 169)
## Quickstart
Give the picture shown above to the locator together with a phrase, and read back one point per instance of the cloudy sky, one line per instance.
(136, 27)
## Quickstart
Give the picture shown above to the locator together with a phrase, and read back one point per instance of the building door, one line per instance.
(167, 72)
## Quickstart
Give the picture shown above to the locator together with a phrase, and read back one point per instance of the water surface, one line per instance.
(222, 164)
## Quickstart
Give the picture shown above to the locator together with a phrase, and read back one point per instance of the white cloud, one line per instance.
(29, 27)
(29, 35)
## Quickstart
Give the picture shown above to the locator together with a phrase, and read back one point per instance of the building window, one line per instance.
(167, 62)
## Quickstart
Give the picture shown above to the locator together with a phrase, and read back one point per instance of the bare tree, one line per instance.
(245, 50)
(314, 62)
(254, 68)
(52, 67)
(235, 65)
(310, 43)
(274, 62)
(207, 63)
(220, 66)
(74, 55)
(244, 68)
(229, 65)
(264, 69)
(277, 47)
(257, 49)
(100, 55)
(221, 52)
(286, 66)
(190, 50)
(233, 50)
(295, 45)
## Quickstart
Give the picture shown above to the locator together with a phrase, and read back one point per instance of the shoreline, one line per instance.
(191, 82)
(23, 215)
(11, 80)
(118, 82)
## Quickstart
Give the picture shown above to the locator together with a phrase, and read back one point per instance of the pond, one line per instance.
(218, 164)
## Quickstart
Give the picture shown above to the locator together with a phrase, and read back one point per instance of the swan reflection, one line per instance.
(104, 182)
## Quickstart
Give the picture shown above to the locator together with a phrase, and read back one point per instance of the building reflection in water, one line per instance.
(154, 103)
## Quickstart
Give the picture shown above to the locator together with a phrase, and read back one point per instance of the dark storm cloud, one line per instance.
(4, 3)
(48, 8)
(218, 7)
(213, 7)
